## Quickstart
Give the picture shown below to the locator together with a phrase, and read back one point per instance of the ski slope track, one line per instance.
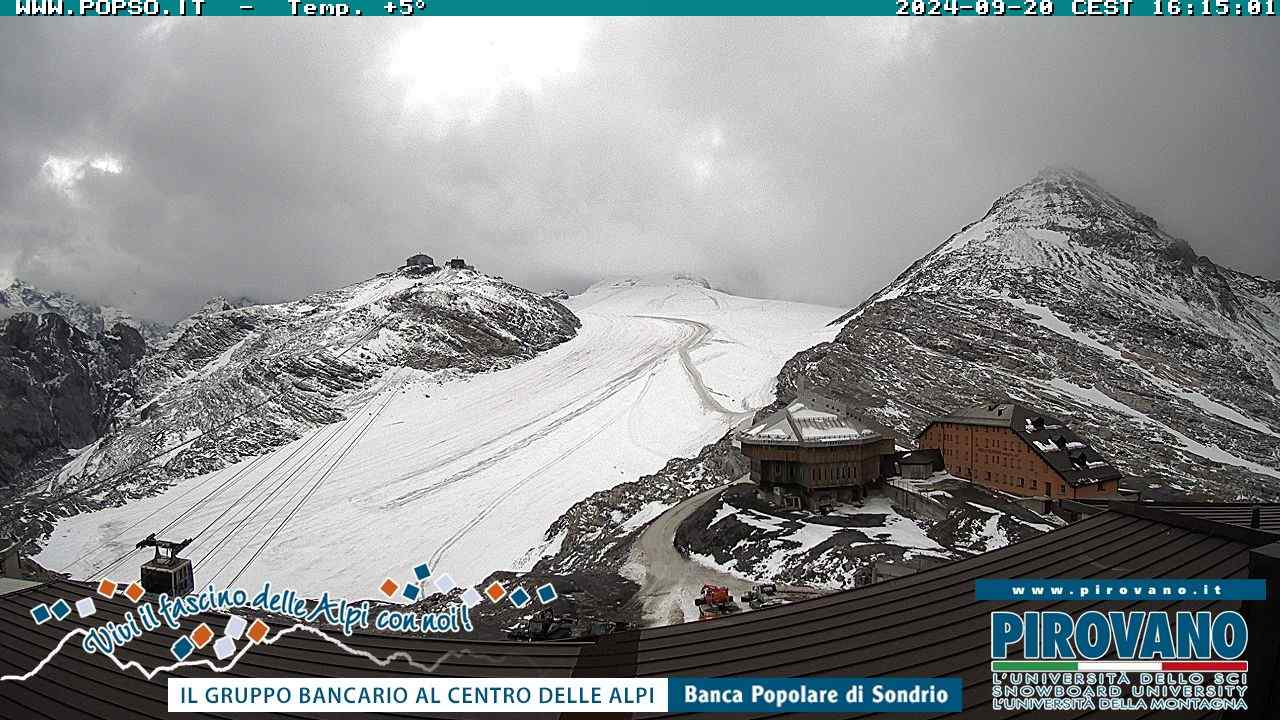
(467, 471)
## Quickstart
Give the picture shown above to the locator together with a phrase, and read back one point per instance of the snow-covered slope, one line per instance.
(231, 383)
(463, 471)
(1066, 298)
(86, 317)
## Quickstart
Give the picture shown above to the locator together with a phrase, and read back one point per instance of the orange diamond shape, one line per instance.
(107, 589)
(258, 630)
(135, 592)
(389, 587)
(201, 635)
(495, 591)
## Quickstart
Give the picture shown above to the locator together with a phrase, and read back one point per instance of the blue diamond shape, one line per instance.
(422, 572)
(411, 592)
(60, 609)
(546, 593)
(182, 648)
(40, 614)
(520, 597)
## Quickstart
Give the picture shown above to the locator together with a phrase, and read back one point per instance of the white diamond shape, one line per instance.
(224, 647)
(85, 607)
(470, 598)
(235, 627)
(445, 583)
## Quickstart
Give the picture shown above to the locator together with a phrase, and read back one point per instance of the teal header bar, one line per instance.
(1205, 9)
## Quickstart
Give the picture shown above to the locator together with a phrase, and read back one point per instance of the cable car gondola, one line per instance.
(166, 572)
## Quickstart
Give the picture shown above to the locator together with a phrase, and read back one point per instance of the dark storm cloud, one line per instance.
(154, 166)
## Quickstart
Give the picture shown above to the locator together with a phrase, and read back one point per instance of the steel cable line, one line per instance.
(264, 480)
(233, 505)
(225, 483)
(337, 460)
(218, 489)
(377, 327)
(391, 394)
(267, 495)
(212, 432)
(271, 492)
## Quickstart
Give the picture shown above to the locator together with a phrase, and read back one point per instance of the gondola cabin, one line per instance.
(166, 572)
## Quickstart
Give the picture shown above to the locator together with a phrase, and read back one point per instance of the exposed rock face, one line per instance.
(942, 519)
(59, 388)
(235, 381)
(1065, 298)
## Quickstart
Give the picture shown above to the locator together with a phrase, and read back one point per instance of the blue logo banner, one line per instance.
(817, 694)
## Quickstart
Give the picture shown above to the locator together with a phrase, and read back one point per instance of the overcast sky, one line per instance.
(153, 166)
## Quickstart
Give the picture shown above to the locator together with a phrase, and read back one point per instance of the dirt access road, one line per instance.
(672, 580)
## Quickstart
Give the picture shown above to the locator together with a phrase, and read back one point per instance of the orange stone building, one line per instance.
(1019, 450)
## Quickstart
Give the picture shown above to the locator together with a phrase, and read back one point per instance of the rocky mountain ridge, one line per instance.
(232, 382)
(59, 390)
(1066, 298)
(90, 319)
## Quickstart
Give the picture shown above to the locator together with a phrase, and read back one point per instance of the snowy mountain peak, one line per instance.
(20, 296)
(1060, 229)
(1069, 199)
(1068, 299)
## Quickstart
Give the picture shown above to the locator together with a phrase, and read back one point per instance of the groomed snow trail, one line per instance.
(468, 473)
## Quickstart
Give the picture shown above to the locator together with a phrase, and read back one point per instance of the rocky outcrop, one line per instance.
(910, 524)
(59, 389)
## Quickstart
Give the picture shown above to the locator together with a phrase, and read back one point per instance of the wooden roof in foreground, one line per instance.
(927, 624)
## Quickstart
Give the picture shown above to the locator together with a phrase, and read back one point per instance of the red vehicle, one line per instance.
(715, 602)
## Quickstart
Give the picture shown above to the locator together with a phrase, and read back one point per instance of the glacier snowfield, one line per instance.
(466, 472)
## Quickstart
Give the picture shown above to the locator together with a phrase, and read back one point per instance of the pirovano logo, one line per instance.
(1121, 660)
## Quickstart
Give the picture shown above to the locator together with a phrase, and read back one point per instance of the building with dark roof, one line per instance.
(927, 624)
(920, 464)
(815, 451)
(1019, 450)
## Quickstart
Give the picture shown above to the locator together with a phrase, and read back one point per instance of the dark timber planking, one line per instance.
(925, 624)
